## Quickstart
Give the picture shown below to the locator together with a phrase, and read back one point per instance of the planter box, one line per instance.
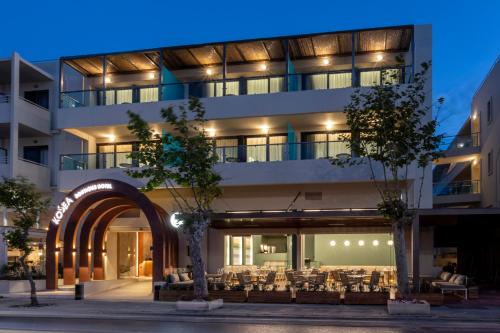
(269, 296)
(395, 307)
(199, 305)
(19, 286)
(174, 295)
(317, 297)
(371, 298)
(229, 296)
(434, 299)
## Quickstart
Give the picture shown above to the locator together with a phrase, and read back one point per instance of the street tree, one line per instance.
(178, 160)
(393, 132)
(21, 196)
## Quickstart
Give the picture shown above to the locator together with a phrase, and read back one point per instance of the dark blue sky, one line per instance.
(466, 34)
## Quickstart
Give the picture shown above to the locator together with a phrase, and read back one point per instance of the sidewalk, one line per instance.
(62, 306)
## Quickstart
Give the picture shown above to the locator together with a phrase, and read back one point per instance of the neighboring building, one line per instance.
(28, 97)
(468, 177)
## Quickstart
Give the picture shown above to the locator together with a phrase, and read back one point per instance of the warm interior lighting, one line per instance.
(40, 253)
(474, 162)
(333, 243)
(107, 79)
(263, 67)
(325, 61)
(379, 57)
(211, 132)
(265, 129)
(329, 125)
(209, 71)
(111, 137)
(390, 242)
(347, 243)
(152, 75)
(361, 242)
(474, 116)
(375, 242)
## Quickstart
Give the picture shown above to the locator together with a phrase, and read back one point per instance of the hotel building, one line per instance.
(274, 109)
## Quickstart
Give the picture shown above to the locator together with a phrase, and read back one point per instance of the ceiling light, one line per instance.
(379, 57)
(460, 145)
(209, 71)
(152, 75)
(329, 125)
(361, 242)
(375, 243)
(263, 67)
(111, 137)
(474, 162)
(347, 243)
(325, 61)
(333, 243)
(265, 129)
(211, 132)
(474, 116)
(390, 242)
(107, 79)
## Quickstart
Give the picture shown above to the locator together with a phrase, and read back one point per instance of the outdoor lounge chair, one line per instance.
(457, 282)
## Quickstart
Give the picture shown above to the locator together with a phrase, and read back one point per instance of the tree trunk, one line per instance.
(196, 255)
(401, 259)
(27, 273)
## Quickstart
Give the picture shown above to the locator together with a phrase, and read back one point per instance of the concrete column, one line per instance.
(415, 253)
(14, 122)
(298, 241)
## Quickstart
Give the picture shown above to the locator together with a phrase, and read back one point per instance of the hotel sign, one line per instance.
(63, 207)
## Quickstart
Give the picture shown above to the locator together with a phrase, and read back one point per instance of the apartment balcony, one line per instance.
(272, 164)
(458, 192)
(29, 114)
(460, 145)
(270, 95)
(4, 109)
(36, 173)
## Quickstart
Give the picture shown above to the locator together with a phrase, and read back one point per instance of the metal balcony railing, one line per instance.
(237, 86)
(4, 98)
(4, 156)
(460, 142)
(460, 187)
(230, 154)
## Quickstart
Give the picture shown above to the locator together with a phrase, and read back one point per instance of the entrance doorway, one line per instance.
(134, 254)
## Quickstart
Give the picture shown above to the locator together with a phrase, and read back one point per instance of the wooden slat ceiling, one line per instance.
(119, 63)
(383, 40)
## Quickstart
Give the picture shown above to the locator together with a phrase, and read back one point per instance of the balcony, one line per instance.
(257, 85)
(229, 154)
(454, 146)
(4, 108)
(458, 192)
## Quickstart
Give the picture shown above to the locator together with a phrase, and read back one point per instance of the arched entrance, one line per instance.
(81, 220)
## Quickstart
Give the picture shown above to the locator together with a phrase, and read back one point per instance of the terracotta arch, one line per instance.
(82, 200)
(107, 209)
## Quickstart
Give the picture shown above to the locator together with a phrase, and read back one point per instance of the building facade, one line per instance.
(275, 112)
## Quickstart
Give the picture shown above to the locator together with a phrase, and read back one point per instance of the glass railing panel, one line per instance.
(460, 141)
(460, 187)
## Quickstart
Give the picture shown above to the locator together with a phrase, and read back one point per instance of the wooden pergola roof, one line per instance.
(391, 39)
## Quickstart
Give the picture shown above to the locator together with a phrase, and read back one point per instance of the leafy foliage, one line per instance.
(393, 132)
(183, 157)
(27, 203)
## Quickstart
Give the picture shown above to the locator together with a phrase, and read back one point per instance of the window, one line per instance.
(490, 163)
(37, 154)
(489, 111)
(39, 97)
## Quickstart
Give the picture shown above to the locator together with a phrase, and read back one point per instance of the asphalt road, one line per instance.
(126, 325)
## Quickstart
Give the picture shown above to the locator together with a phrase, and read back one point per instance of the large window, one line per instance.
(37, 154)
(238, 250)
(258, 250)
(115, 155)
(325, 145)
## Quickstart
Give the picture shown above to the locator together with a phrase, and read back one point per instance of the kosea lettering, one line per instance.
(63, 207)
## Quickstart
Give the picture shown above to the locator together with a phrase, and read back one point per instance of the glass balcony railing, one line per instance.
(230, 154)
(236, 86)
(460, 142)
(459, 187)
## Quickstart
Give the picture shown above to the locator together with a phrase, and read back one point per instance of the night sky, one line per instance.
(466, 34)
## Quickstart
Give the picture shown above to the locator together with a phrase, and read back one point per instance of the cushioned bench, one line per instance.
(456, 282)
